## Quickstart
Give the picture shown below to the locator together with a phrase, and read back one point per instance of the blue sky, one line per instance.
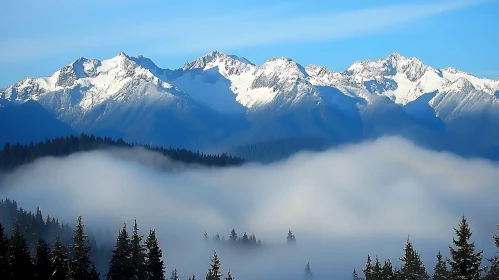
(39, 37)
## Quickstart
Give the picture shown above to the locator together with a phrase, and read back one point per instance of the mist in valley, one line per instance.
(341, 205)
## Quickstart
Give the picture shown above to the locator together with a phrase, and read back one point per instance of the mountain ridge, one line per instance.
(244, 103)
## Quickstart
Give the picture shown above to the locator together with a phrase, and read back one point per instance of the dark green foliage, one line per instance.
(377, 270)
(308, 274)
(214, 272)
(413, 268)
(120, 266)
(464, 263)
(59, 260)
(20, 264)
(138, 253)
(387, 270)
(368, 270)
(79, 265)
(290, 239)
(94, 274)
(14, 155)
(174, 274)
(155, 264)
(492, 272)
(229, 276)
(440, 271)
(4, 250)
(42, 266)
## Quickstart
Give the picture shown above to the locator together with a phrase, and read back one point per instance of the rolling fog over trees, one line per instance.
(341, 206)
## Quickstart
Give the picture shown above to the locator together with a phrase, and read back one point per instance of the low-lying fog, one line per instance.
(341, 204)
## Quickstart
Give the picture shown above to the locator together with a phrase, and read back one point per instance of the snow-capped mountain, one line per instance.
(221, 100)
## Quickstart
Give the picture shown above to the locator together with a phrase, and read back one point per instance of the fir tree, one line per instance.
(245, 239)
(94, 274)
(4, 250)
(42, 266)
(229, 276)
(233, 236)
(138, 253)
(413, 268)
(193, 277)
(464, 263)
(120, 266)
(290, 239)
(387, 270)
(440, 271)
(368, 270)
(308, 274)
(206, 238)
(59, 260)
(80, 263)
(19, 257)
(214, 272)
(155, 265)
(377, 270)
(492, 272)
(355, 276)
(174, 274)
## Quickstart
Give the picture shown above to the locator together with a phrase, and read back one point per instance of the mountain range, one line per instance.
(222, 102)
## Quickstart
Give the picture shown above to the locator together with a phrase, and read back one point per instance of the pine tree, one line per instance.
(155, 265)
(413, 268)
(464, 263)
(308, 272)
(80, 263)
(59, 260)
(290, 239)
(368, 270)
(377, 270)
(214, 270)
(19, 257)
(42, 266)
(120, 266)
(174, 274)
(94, 274)
(138, 253)
(233, 236)
(493, 271)
(193, 277)
(440, 271)
(4, 250)
(229, 276)
(387, 270)
(355, 276)
(245, 239)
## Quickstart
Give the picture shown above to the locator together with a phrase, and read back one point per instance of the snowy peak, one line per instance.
(213, 59)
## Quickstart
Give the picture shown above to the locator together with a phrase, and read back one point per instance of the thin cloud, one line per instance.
(229, 31)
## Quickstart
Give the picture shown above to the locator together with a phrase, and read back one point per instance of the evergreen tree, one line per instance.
(80, 263)
(308, 272)
(138, 253)
(245, 239)
(155, 265)
(355, 276)
(120, 266)
(368, 270)
(377, 270)
(214, 272)
(290, 239)
(4, 250)
(174, 275)
(193, 277)
(387, 270)
(206, 238)
(20, 264)
(94, 274)
(59, 260)
(464, 263)
(233, 236)
(229, 276)
(413, 268)
(440, 271)
(493, 270)
(42, 267)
